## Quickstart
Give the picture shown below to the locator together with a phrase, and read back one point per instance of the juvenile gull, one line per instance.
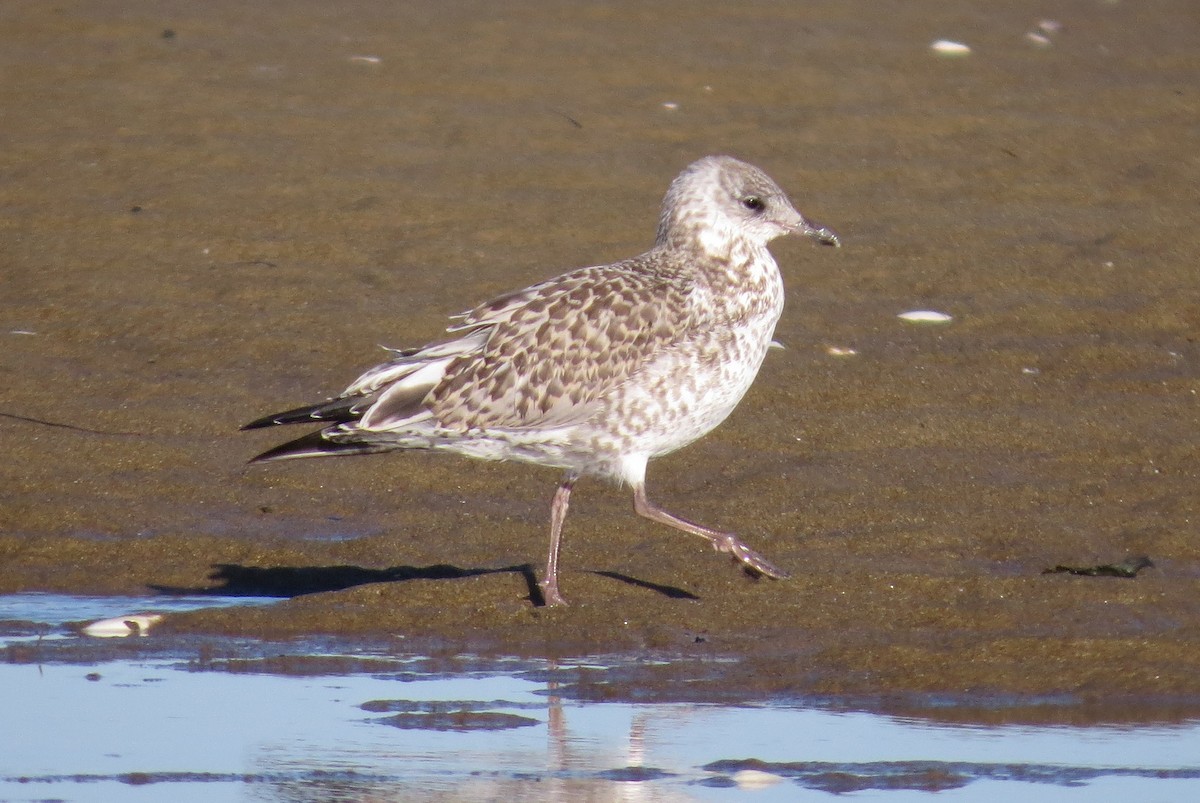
(596, 371)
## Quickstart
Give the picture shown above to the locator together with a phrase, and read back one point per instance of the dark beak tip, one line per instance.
(826, 236)
(822, 234)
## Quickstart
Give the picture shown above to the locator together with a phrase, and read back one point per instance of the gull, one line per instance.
(599, 370)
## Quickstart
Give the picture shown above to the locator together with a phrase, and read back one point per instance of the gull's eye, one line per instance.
(753, 203)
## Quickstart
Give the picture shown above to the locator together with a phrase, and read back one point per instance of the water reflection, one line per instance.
(301, 722)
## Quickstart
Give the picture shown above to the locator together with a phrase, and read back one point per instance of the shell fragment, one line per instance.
(925, 316)
(946, 47)
(138, 624)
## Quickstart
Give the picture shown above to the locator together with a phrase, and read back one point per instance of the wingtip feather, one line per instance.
(335, 411)
(314, 444)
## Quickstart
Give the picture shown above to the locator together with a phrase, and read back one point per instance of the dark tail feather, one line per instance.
(334, 411)
(315, 444)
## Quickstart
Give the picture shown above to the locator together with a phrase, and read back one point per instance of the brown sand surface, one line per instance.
(215, 210)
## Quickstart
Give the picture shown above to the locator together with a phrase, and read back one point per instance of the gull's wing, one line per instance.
(543, 356)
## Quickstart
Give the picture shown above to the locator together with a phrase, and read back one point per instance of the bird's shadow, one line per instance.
(672, 592)
(235, 580)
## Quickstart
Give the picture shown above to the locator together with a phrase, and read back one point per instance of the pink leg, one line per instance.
(558, 513)
(722, 542)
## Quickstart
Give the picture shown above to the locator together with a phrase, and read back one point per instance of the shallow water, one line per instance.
(303, 721)
(44, 615)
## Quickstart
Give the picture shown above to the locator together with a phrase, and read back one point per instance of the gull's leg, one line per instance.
(722, 542)
(558, 512)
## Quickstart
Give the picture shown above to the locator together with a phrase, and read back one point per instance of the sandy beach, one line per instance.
(215, 211)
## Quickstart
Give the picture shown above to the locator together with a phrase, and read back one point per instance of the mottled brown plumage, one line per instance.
(600, 369)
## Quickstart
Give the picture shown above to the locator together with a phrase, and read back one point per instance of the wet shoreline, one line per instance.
(367, 721)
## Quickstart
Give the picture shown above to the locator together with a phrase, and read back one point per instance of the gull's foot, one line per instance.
(749, 558)
(550, 596)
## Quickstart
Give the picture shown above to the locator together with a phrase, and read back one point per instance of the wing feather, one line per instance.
(555, 349)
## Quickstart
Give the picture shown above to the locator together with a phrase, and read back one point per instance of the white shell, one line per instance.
(945, 47)
(925, 316)
(755, 779)
(120, 626)
(840, 351)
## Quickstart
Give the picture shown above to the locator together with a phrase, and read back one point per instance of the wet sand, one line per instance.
(216, 211)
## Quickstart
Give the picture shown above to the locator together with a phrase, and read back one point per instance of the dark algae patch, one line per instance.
(458, 721)
(456, 715)
(1126, 568)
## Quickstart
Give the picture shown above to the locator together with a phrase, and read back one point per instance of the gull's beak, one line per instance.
(819, 233)
(796, 223)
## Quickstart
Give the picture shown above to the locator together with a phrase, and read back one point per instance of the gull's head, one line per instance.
(719, 201)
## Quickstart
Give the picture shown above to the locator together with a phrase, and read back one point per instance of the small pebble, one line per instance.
(670, 105)
(1041, 35)
(945, 47)
(840, 351)
(925, 316)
